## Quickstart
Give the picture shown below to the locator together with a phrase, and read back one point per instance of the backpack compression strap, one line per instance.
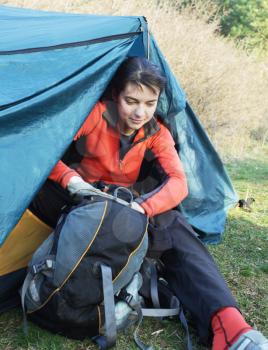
(109, 340)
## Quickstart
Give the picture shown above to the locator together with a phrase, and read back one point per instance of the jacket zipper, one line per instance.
(133, 144)
(121, 165)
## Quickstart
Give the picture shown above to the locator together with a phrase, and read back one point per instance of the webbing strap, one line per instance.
(160, 312)
(174, 302)
(175, 306)
(109, 307)
(185, 326)
(141, 345)
(101, 341)
(154, 287)
(24, 289)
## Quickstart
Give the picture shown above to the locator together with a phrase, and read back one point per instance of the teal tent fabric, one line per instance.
(53, 69)
(211, 193)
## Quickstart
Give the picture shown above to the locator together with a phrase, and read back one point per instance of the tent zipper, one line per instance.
(74, 44)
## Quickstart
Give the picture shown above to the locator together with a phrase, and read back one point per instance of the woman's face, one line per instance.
(136, 106)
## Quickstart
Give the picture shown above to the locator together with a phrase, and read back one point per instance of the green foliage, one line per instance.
(246, 20)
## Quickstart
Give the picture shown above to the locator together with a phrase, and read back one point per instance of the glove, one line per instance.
(78, 187)
(136, 206)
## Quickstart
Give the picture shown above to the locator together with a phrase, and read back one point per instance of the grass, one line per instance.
(242, 257)
(243, 254)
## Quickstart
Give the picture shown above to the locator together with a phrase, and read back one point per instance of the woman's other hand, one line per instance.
(136, 206)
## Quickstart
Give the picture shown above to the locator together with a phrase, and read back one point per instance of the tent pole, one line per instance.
(146, 36)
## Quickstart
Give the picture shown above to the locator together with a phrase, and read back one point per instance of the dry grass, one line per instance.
(227, 88)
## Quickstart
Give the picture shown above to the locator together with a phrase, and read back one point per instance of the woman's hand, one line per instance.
(136, 206)
(78, 187)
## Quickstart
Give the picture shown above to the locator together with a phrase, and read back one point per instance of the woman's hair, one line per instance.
(139, 71)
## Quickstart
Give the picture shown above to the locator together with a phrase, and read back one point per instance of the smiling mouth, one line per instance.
(136, 121)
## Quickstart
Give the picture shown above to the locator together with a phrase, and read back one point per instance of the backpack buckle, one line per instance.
(44, 265)
(125, 296)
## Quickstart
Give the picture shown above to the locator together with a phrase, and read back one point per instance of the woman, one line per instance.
(112, 144)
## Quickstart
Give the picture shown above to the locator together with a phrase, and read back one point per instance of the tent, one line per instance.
(53, 69)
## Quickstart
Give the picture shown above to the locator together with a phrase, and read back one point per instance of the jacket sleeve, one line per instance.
(61, 173)
(174, 187)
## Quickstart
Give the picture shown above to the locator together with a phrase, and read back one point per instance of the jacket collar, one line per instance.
(111, 116)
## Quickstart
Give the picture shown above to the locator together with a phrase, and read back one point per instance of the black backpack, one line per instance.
(91, 278)
(78, 274)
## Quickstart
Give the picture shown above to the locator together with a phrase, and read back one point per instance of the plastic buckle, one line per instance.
(45, 265)
(36, 268)
(125, 296)
(129, 298)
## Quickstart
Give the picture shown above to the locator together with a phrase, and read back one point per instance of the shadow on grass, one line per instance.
(13, 338)
(167, 334)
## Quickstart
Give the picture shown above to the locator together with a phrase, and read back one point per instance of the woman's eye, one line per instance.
(130, 102)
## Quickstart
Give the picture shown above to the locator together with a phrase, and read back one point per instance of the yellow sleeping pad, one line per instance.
(22, 242)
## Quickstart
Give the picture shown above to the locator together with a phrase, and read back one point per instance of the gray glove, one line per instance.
(78, 187)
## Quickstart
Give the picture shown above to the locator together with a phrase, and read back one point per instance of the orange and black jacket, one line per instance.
(100, 150)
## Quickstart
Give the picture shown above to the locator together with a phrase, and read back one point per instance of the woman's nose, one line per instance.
(139, 112)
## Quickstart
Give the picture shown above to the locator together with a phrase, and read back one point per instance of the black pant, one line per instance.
(189, 269)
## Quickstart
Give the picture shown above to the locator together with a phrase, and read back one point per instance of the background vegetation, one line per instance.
(244, 20)
(218, 51)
